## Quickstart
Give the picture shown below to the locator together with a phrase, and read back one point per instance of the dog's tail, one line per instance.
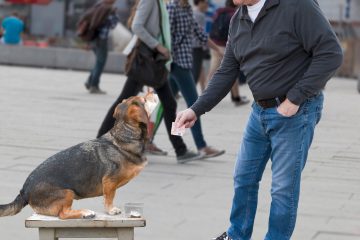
(14, 207)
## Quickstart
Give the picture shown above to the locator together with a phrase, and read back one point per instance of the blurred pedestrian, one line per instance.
(183, 29)
(145, 24)
(95, 26)
(219, 35)
(287, 62)
(210, 15)
(12, 28)
(199, 51)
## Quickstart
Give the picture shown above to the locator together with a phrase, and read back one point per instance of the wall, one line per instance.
(335, 9)
(48, 20)
(62, 58)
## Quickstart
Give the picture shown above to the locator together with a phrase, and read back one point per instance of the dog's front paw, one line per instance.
(114, 211)
(88, 214)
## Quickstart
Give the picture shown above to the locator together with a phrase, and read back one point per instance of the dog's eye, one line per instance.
(137, 104)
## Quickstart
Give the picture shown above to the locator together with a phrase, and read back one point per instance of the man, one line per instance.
(12, 27)
(288, 52)
(100, 43)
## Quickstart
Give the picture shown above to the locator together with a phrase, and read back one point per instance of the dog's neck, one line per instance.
(129, 138)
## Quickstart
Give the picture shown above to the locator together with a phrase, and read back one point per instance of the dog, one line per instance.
(90, 169)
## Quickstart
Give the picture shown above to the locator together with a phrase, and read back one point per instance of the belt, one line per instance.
(271, 102)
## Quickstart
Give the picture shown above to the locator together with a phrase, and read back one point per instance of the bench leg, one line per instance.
(47, 234)
(125, 233)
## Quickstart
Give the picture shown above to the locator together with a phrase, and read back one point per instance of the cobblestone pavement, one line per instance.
(43, 111)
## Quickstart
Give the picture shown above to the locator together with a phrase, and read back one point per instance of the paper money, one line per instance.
(177, 131)
(152, 100)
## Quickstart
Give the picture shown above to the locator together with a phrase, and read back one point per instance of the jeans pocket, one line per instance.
(280, 115)
(315, 105)
(301, 109)
(319, 112)
(318, 117)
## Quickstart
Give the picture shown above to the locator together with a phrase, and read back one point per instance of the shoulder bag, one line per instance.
(145, 65)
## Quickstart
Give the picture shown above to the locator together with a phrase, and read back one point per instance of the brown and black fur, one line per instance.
(89, 169)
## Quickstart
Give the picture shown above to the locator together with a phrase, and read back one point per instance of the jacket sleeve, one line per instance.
(142, 13)
(171, 8)
(221, 82)
(319, 40)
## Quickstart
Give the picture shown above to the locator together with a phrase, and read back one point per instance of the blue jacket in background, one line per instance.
(13, 28)
(209, 16)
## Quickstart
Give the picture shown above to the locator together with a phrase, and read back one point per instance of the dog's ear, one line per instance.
(120, 110)
(136, 114)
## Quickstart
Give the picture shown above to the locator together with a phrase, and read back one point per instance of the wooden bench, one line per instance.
(102, 226)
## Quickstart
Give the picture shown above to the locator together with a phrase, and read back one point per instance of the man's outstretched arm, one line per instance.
(218, 87)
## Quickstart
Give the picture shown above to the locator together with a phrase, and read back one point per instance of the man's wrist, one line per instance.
(291, 102)
(295, 97)
(195, 110)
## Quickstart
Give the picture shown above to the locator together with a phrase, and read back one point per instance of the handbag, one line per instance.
(145, 65)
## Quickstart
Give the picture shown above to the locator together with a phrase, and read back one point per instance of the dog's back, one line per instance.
(79, 168)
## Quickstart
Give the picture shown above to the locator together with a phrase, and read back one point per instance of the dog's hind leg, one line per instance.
(61, 206)
(67, 213)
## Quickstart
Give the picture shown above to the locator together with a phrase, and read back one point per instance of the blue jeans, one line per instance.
(181, 78)
(100, 49)
(286, 141)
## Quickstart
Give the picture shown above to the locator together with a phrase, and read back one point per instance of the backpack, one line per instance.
(84, 32)
(87, 28)
(220, 27)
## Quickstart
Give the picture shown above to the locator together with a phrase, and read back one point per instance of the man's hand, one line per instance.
(163, 50)
(221, 52)
(287, 108)
(186, 118)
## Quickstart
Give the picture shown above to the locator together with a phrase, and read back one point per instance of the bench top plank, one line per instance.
(101, 220)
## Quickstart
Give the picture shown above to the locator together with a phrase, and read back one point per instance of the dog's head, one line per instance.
(136, 110)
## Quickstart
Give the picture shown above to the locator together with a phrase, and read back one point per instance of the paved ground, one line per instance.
(43, 111)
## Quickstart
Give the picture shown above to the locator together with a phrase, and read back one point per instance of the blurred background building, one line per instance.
(344, 16)
(53, 22)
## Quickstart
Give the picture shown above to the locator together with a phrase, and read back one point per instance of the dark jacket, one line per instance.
(93, 19)
(290, 50)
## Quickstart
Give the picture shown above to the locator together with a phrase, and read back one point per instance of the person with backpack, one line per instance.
(219, 35)
(94, 28)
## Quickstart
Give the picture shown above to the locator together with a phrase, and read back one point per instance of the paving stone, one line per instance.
(44, 111)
